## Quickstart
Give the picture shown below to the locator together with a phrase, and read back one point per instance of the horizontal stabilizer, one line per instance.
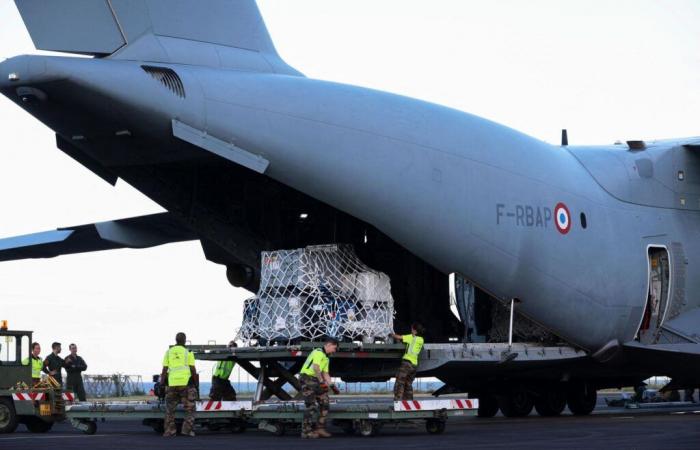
(223, 33)
(137, 232)
(75, 26)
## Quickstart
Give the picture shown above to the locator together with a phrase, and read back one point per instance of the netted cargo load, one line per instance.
(318, 291)
(249, 326)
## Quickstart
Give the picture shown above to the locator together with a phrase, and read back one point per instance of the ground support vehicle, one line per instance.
(275, 367)
(362, 416)
(38, 407)
(367, 417)
(212, 415)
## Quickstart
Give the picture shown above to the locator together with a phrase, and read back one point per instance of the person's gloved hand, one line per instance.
(335, 389)
(324, 387)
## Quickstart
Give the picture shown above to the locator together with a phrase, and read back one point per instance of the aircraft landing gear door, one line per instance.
(657, 294)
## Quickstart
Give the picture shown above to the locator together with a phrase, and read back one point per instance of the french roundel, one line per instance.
(562, 218)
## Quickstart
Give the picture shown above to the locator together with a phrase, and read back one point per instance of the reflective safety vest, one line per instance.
(37, 365)
(317, 357)
(178, 361)
(415, 345)
(223, 369)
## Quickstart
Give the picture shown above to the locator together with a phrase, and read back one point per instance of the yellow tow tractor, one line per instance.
(37, 406)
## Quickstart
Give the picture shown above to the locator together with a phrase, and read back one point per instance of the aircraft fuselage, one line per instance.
(518, 217)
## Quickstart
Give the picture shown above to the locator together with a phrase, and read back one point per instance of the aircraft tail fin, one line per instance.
(229, 33)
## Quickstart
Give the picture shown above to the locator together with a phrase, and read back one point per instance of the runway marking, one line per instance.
(59, 437)
(624, 417)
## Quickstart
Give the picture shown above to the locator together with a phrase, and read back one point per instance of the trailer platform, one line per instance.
(362, 416)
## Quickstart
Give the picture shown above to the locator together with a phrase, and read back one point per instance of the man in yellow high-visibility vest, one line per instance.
(221, 388)
(315, 381)
(181, 376)
(403, 387)
(36, 362)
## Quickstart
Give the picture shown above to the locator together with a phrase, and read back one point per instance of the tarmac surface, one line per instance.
(618, 428)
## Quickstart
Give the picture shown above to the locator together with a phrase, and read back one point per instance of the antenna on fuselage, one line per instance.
(564, 138)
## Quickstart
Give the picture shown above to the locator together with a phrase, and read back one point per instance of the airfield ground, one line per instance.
(607, 428)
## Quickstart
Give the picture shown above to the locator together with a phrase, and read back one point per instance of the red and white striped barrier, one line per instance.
(68, 396)
(213, 405)
(28, 396)
(465, 404)
(432, 405)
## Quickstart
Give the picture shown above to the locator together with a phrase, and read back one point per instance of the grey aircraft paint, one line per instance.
(566, 230)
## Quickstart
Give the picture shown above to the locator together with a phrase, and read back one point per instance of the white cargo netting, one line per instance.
(318, 291)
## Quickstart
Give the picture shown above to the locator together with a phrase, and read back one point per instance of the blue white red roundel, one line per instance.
(562, 218)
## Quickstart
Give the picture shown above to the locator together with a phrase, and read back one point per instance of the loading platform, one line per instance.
(275, 366)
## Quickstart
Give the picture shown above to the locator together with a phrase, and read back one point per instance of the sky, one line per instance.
(606, 71)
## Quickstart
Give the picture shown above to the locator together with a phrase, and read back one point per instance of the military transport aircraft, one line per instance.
(193, 107)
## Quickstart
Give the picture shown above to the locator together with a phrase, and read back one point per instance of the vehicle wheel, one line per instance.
(158, 426)
(582, 399)
(90, 427)
(280, 429)
(238, 426)
(517, 404)
(36, 425)
(8, 416)
(346, 425)
(366, 428)
(435, 426)
(488, 406)
(550, 403)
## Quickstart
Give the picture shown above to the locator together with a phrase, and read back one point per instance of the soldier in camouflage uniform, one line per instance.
(188, 397)
(179, 370)
(403, 387)
(315, 382)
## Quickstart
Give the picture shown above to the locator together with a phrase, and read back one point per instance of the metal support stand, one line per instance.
(510, 328)
(285, 376)
(259, 389)
(509, 355)
(267, 387)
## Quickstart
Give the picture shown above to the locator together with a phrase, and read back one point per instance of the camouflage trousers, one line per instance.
(316, 404)
(179, 394)
(403, 387)
(221, 390)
